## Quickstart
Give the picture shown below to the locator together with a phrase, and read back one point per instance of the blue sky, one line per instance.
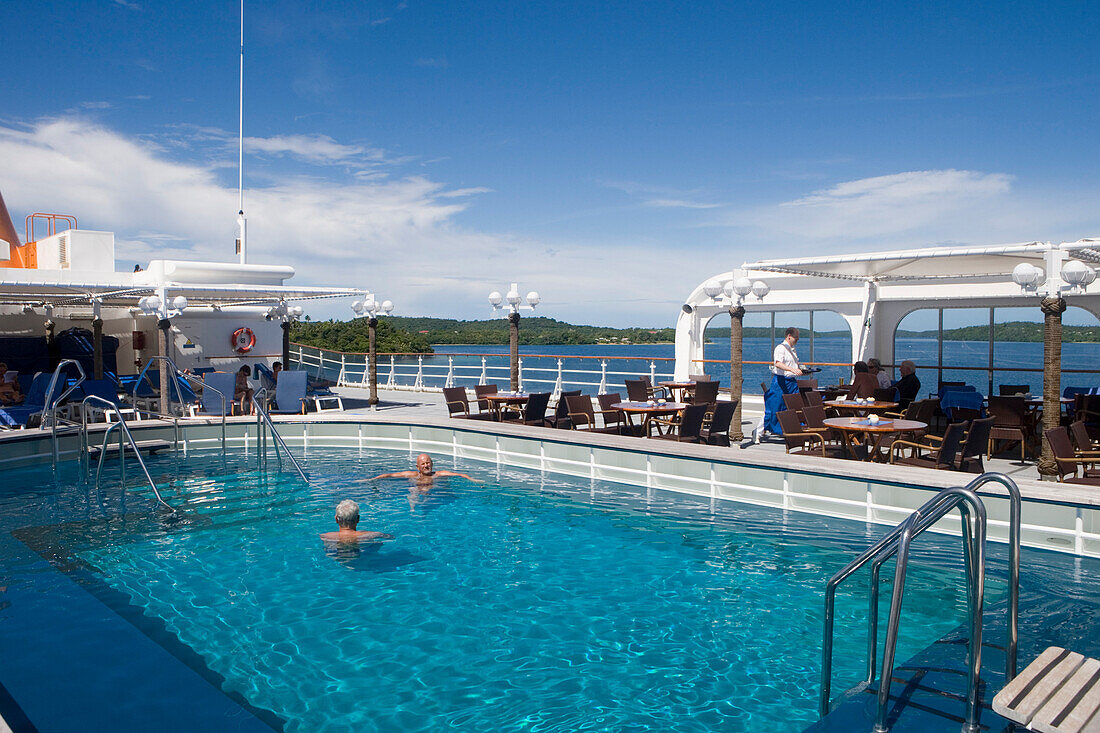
(609, 155)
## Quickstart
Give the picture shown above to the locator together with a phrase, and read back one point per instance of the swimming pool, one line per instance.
(529, 602)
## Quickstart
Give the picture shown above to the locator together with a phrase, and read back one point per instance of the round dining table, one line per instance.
(646, 411)
(682, 386)
(497, 400)
(853, 406)
(873, 434)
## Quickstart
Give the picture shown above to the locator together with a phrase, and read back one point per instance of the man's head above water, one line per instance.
(424, 465)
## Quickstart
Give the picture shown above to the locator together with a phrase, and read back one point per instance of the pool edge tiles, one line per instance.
(864, 492)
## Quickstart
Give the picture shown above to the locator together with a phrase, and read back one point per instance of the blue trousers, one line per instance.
(773, 401)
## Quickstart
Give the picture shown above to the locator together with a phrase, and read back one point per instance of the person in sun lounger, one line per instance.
(347, 518)
(425, 473)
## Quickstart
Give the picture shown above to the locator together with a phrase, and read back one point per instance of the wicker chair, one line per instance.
(717, 431)
(798, 440)
(583, 417)
(1008, 390)
(534, 412)
(1011, 424)
(1068, 459)
(560, 418)
(704, 393)
(941, 453)
(458, 405)
(689, 427)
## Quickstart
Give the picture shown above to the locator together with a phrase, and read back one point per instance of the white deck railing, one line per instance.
(433, 372)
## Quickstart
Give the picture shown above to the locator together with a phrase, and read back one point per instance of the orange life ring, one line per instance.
(243, 340)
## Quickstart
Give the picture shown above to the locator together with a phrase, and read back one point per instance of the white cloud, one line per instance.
(313, 148)
(395, 235)
(911, 204)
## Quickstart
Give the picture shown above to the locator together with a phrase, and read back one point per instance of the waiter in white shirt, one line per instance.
(784, 369)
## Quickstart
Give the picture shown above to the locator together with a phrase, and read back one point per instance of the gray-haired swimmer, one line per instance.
(425, 473)
(347, 518)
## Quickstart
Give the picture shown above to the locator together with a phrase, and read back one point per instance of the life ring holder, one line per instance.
(243, 340)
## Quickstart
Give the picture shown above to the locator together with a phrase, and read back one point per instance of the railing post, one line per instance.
(557, 383)
(343, 370)
(603, 377)
(365, 381)
(300, 364)
(519, 379)
(653, 372)
(450, 372)
(393, 370)
(481, 379)
(419, 383)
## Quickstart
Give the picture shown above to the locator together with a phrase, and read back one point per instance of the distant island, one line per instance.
(416, 335)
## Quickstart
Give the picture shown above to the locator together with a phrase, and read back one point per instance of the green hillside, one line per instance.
(403, 334)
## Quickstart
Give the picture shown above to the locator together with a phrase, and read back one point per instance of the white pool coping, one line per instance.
(1059, 517)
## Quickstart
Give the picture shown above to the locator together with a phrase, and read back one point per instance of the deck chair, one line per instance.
(654, 390)
(975, 446)
(941, 453)
(717, 431)
(583, 417)
(266, 376)
(636, 390)
(704, 393)
(798, 440)
(1011, 424)
(484, 389)
(211, 403)
(887, 394)
(1008, 390)
(560, 418)
(29, 413)
(1068, 459)
(290, 394)
(105, 389)
(534, 412)
(813, 397)
(805, 385)
(689, 426)
(611, 416)
(1081, 436)
(814, 419)
(458, 405)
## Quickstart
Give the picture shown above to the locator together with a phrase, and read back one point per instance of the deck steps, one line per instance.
(147, 446)
(1058, 693)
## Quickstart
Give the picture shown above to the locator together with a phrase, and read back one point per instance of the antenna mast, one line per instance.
(242, 224)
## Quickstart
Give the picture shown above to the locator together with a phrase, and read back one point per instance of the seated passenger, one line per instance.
(9, 388)
(874, 366)
(908, 386)
(242, 390)
(347, 519)
(863, 383)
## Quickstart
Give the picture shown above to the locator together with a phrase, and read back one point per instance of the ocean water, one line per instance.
(521, 602)
(586, 367)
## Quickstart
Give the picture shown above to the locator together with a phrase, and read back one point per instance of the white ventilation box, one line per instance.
(77, 249)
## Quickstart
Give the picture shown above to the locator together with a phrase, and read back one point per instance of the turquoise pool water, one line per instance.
(527, 602)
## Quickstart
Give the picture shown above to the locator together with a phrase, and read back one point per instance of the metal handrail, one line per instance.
(123, 432)
(51, 408)
(897, 543)
(261, 414)
(192, 379)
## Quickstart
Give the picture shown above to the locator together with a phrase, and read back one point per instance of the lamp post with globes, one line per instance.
(369, 308)
(1033, 280)
(734, 293)
(514, 307)
(286, 314)
(164, 309)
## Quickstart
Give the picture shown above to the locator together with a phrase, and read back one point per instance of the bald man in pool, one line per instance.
(425, 473)
(347, 519)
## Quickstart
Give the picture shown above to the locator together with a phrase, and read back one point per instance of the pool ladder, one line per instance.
(897, 542)
(264, 425)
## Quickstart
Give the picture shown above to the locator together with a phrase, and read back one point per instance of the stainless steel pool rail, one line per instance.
(897, 542)
(191, 379)
(124, 433)
(263, 420)
(50, 409)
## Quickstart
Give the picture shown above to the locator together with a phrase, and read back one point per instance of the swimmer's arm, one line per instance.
(375, 536)
(460, 475)
(399, 474)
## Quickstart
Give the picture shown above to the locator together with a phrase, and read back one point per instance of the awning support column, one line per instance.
(162, 348)
(1052, 379)
(97, 341)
